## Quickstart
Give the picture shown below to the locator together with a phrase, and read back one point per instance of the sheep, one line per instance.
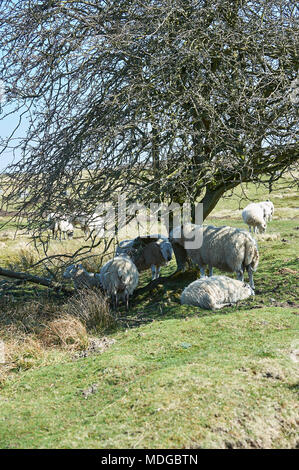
(269, 209)
(226, 248)
(91, 225)
(215, 292)
(255, 215)
(62, 226)
(119, 276)
(82, 278)
(60, 223)
(147, 252)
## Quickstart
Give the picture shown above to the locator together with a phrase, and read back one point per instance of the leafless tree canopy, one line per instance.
(169, 99)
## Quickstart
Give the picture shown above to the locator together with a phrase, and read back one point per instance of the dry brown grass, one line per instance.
(266, 237)
(66, 332)
(92, 308)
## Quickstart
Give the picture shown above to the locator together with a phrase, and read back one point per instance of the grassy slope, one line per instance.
(189, 378)
(211, 381)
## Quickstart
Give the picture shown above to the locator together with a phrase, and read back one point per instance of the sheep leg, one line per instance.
(153, 268)
(210, 271)
(158, 271)
(240, 275)
(202, 272)
(250, 275)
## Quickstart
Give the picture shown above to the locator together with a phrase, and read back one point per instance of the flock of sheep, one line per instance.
(226, 248)
(60, 224)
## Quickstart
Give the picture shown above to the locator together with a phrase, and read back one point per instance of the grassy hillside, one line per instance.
(164, 375)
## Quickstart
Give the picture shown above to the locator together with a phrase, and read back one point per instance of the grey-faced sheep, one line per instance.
(215, 292)
(226, 248)
(148, 253)
(255, 215)
(82, 278)
(119, 278)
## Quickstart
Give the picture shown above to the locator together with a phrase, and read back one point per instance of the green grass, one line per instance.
(212, 381)
(176, 376)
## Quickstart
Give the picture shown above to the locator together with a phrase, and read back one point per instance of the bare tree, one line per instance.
(166, 100)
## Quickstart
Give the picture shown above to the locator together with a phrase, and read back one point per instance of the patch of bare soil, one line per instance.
(90, 391)
(96, 346)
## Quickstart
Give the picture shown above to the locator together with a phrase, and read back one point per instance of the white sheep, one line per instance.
(147, 252)
(60, 224)
(255, 215)
(268, 208)
(119, 277)
(215, 292)
(82, 278)
(92, 225)
(226, 248)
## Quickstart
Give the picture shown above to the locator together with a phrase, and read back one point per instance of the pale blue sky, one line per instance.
(7, 126)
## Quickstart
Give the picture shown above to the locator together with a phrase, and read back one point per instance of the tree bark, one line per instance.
(35, 279)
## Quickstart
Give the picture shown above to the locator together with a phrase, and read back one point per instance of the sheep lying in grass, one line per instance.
(226, 248)
(255, 215)
(215, 292)
(119, 277)
(82, 279)
(147, 252)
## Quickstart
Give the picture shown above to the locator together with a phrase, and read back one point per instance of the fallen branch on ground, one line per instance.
(35, 279)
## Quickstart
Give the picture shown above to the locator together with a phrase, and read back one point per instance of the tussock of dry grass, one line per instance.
(92, 308)
(266, 237)
(66, 332)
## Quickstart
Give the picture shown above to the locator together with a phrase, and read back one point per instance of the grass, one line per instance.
(211, 381)
(176, 376)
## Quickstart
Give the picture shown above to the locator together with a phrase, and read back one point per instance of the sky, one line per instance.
(7, 125)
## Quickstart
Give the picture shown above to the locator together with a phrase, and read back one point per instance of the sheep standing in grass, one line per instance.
(226, 248)
(268, 207)
(82, 279)
(254, 215)
(62, 226)
(215, 292)
(147, 252)
(119, 277)
(91, 225)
